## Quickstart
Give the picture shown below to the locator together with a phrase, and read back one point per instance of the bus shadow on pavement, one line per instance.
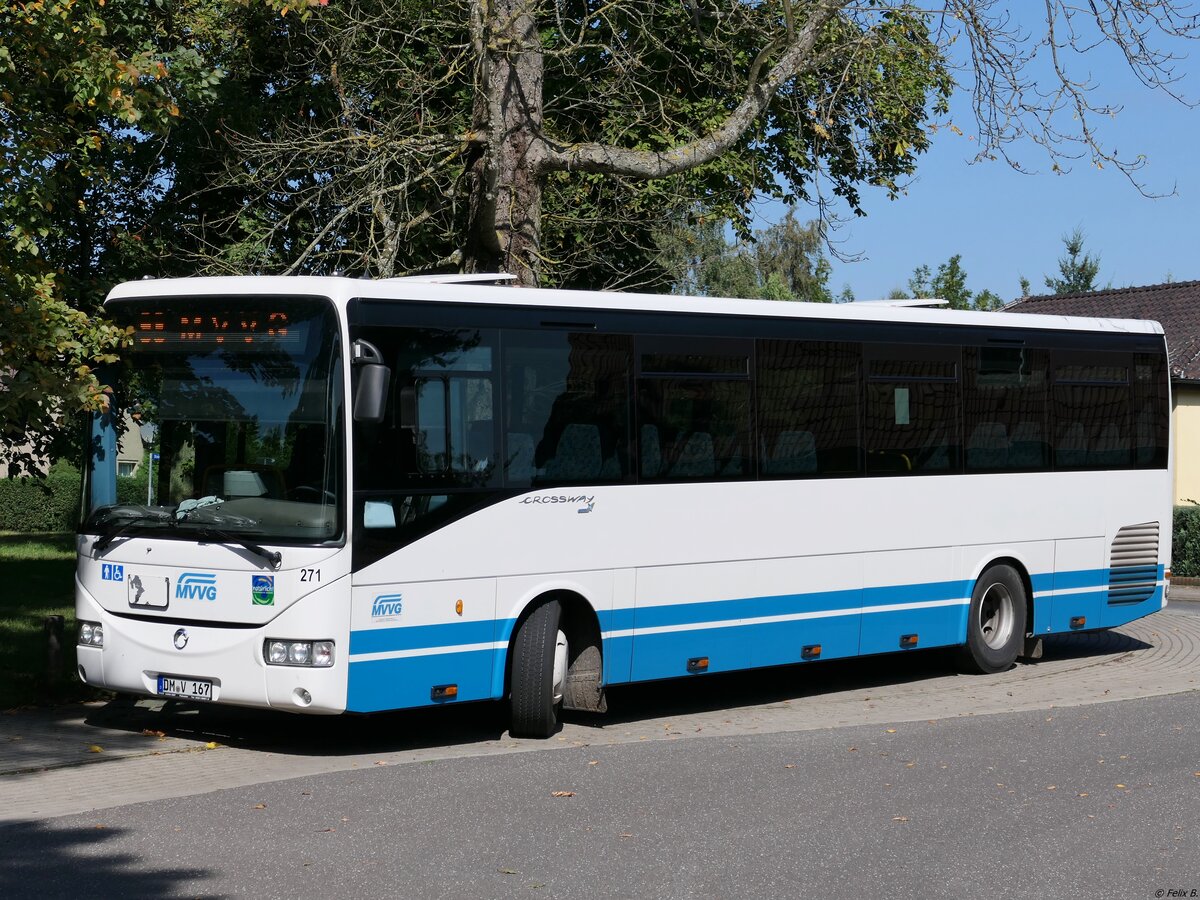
(306, 735)
(302, 735)
(1089, 644)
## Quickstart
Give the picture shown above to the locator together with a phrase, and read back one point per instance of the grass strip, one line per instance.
(38, 574)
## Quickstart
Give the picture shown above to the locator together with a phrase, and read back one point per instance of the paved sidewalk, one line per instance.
(35, 739)
(94, 756)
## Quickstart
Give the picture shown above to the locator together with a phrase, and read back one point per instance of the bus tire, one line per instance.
(538, 673)
(995, 622)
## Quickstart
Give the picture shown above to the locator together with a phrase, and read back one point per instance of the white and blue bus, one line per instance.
(377, 495)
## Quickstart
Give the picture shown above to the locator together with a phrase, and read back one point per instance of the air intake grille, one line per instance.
(1133, 564)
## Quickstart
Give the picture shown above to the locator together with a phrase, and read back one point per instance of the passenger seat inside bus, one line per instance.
(988, 447)
(1071, 447)
(1107, 448)
(578, 456)
(1028, 449)
(651, 451)
(795, 453)
(695, 458)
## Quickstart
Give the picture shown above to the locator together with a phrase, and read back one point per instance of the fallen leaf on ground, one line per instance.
(1120, 785)
(508, 871)
(95, 748)
(891, 731)
(594, 762)
(259, 806)
(150, 732)
(211, 745)
(790, 766)
(562, 793)
(899, 818)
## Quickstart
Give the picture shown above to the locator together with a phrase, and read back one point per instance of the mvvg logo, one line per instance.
(196, 586)
(386, 606)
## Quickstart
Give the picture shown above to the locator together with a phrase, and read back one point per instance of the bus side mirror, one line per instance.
(371, 390)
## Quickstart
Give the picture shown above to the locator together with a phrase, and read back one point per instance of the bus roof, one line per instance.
(459, 289)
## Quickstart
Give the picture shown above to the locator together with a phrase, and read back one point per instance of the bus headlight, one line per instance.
(322, 656)
(91, 634)
(318, 654)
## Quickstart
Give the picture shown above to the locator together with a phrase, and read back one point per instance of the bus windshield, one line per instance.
(232, 408)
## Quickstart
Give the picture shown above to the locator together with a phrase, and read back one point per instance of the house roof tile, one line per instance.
(1175, 306)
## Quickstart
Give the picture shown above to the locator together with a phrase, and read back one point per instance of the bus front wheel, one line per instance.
(539, 670)
(995, 622)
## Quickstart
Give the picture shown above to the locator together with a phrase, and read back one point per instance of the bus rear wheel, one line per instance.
(539, 671)
(995, 622)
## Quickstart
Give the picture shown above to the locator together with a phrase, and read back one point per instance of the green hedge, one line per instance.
(1185, 543)
(41, 504)
(52, 503)
(132, 490)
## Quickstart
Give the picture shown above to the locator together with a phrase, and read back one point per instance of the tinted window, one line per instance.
(694, 423)
(567, 407)
(1005, 408)
(1091, 397)
(1151, 410)
(807, 408)
(911, 423)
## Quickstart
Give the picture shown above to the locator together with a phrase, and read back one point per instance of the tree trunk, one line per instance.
(506, 206)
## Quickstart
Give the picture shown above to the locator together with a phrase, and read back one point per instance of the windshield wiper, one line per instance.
(135, 520)
(274, 557)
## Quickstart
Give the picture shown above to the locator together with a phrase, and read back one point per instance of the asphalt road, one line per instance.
(1098, 800)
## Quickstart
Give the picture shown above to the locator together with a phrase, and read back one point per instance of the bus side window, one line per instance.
(1005, 404)
(912, 422)
(1092, 400)
(566, 407)
(808, 399)
(694, 408)
(1152, 412)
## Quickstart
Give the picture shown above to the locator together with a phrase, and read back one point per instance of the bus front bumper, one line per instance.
(137, 655)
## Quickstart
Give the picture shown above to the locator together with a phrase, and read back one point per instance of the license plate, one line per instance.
(187, 688)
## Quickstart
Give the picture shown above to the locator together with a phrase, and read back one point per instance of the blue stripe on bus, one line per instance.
(380, 684)
(848, 601)
(479, 674)
(1042, 582)
(714, 613)
(1084, 578)
(421, 637)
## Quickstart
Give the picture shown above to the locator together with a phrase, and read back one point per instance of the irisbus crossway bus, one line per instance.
(376, 495)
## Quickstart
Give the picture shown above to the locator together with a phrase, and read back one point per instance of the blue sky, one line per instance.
(1005, 224)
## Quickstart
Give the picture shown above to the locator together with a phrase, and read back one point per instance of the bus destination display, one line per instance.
(175, 330)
